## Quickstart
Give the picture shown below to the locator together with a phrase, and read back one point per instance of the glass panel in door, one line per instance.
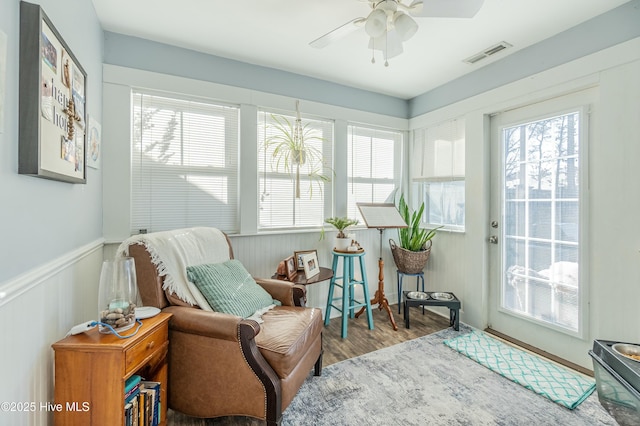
(540, 263)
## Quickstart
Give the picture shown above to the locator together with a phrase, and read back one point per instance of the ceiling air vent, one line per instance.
(487, 52)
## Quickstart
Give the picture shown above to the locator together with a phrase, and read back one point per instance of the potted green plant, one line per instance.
(415, 242)
(342, 242)
(292, 148)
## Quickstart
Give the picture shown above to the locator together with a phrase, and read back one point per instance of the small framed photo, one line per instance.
(310, 262)
(291, 267)
(298, 255)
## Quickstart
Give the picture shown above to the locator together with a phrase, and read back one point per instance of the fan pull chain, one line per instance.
(386, 48)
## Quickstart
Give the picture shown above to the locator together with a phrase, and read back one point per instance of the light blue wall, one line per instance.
(125, 51)
(611, 28)
(616, 26)
(41, 220)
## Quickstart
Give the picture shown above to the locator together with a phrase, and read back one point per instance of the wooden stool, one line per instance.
(419, 276)
(349, 303)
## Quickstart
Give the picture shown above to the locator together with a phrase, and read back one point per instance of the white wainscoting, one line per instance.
(444, 272)
(36, 310)
(260, 254)
(446, 269)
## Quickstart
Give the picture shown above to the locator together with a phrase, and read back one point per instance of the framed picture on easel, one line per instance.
(298, 256)
(291, 268)
(53, 98)
(310, 264)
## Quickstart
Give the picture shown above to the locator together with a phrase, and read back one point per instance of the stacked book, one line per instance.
(141, 402)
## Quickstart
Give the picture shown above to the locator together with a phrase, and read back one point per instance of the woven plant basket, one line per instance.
(410, 262)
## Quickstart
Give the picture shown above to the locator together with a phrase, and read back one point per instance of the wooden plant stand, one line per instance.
(379, 298)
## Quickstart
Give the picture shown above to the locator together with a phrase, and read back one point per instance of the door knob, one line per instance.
(493, 239)
(494, 223)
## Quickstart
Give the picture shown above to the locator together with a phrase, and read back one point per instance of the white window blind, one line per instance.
(184, 164)
(278, 205)
(438, 152)
(371, 166)
(438, 173)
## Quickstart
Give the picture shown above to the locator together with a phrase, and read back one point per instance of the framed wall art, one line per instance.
(94, 143)
(52, 124)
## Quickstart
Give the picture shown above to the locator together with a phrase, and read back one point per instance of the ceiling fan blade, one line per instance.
(446, 8)
(338, 33)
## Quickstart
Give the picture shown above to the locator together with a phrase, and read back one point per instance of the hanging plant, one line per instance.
(292, 147)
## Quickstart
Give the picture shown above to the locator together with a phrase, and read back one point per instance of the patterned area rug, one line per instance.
(543, 377)
(424, 382)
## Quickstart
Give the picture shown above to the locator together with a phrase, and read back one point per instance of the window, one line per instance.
(184, 164)
(280, 206)
(373, 168)
(437, 174)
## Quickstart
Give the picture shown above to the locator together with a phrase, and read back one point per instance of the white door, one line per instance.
(538, 203)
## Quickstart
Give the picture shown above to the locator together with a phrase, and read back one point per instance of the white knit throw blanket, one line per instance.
(172, 251)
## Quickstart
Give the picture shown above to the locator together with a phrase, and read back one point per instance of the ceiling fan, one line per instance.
(391, 22)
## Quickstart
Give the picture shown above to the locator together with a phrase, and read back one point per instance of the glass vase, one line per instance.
(117, 295)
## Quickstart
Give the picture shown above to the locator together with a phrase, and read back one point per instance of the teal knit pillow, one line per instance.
(229, 288)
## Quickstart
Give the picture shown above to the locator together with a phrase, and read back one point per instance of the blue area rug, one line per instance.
(423, 382)
(543, 377)
(416, 383)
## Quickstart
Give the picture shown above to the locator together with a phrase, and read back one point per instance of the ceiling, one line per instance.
(277, 33)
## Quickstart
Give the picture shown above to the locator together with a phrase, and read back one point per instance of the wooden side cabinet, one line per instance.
(91, 369)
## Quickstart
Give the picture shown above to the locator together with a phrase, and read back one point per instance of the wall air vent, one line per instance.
(487, 52)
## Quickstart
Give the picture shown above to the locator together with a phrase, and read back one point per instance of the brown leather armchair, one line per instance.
(223, 365)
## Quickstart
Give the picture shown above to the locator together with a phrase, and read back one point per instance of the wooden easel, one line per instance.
(381, 216)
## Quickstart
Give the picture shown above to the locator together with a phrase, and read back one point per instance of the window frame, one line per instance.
(420, 194)
(398, 149)
(420, 186)
(326, 125)
(196, 170)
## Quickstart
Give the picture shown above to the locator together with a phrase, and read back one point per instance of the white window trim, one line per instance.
(118, 82)
(182, 102)
(417, 199)
(399, 150)
(328, 187)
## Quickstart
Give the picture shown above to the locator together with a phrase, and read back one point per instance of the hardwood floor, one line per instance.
(359, 341)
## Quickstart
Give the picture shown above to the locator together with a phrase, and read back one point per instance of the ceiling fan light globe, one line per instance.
(376, 23)
(405, 26)
(378, 43)
(388, 5)
(390, 44)
(393, 44)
